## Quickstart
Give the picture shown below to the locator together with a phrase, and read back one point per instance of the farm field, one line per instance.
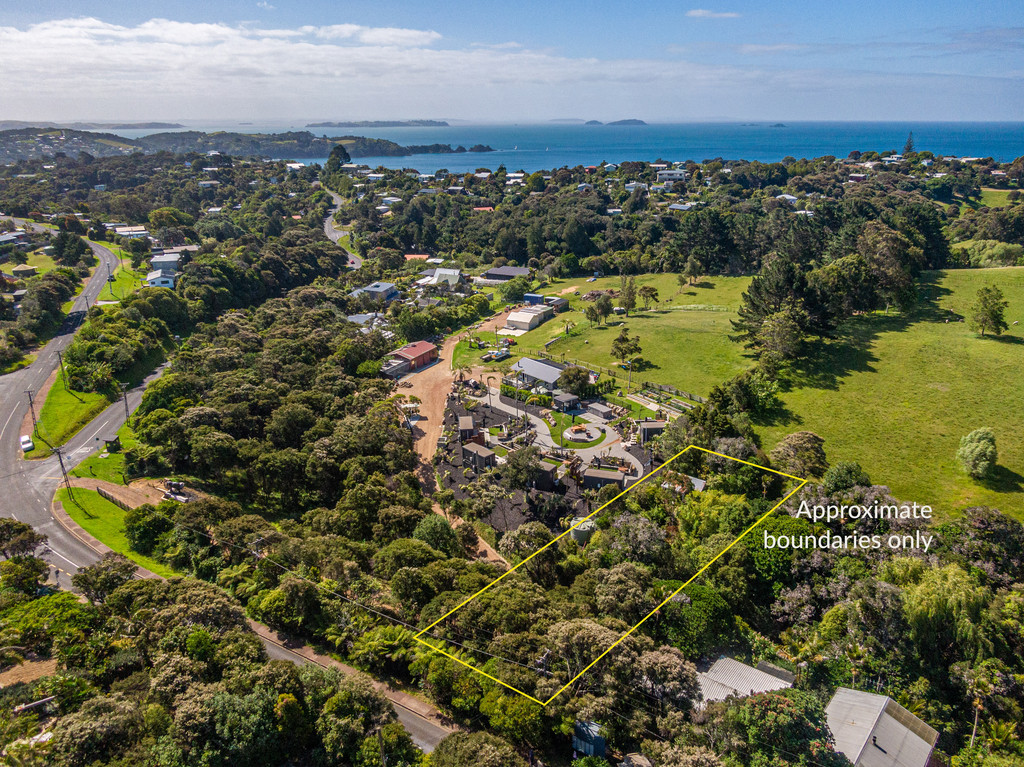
(898, 395)
(684, 337)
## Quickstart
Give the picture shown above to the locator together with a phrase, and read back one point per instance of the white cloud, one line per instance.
(702, 13)
(265, 5)
(761, 50)
(86, 68)
(393, 36)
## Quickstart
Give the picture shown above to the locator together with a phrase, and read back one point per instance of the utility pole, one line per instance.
(31, 408)
(380, 742)
(64, 472)
(124, 391)
(63, 372)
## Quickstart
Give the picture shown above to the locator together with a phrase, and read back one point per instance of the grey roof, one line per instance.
(603, 474)
(730, 677)
(466, 423)
(507, 271)
(876, 731)
(566, 398)
(648, 425)
(543, 370)
(480, 450)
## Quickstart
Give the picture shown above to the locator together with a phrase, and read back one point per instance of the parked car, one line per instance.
(27, 445)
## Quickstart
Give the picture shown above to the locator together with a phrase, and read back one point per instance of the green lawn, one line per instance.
(126, 280)
(110, 468)
(684, 339)
(898, 395)
(105, 522)
(63, 414)
(564, 421)
(36, 258)
(995, 198)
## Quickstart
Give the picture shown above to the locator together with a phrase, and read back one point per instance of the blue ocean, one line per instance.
(531, 147)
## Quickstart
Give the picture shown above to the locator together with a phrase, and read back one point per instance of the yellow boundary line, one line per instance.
(665, 601)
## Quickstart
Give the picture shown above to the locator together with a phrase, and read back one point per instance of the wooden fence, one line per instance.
(112, 499)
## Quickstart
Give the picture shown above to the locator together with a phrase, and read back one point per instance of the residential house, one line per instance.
(649, 429)
(673, 174)
(478, 456)
(528, 372)
(131, 232)
(166, 262)
(595, 479)
(160, 278)
(449, 277)
(786, 198)
(601, 410)
(467, 429)
(379, 291)
(729, 678)
(633, 186)
(876, 731)
(565, 402)
(681, 206)
(21, 271)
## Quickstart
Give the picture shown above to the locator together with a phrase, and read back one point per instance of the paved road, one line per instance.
(333, 234)
(29, 486)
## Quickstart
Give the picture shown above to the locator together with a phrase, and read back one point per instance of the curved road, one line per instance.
(29, 486)
(333, 234)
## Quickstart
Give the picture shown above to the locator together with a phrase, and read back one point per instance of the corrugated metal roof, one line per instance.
(875, 731)
(743, 679)
(542, 370)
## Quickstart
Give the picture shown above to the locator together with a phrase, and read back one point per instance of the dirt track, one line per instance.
(432, 386)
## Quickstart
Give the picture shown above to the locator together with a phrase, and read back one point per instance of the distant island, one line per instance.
(15, 124)
(34, 143)
(777, 125)
(577, 121)
(382, 124)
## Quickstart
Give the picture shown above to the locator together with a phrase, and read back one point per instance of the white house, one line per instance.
(632, 186)
(674, 174)
(159, 278)
(786, 198)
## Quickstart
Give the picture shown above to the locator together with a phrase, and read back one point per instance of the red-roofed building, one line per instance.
(416, 256)
(484, 209)
(409, 358)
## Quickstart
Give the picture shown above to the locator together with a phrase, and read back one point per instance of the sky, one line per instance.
(521, 61)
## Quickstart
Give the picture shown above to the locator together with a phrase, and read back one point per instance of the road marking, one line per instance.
(6, 424)
(69, 561)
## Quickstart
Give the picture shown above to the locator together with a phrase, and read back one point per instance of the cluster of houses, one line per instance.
(166, 264)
